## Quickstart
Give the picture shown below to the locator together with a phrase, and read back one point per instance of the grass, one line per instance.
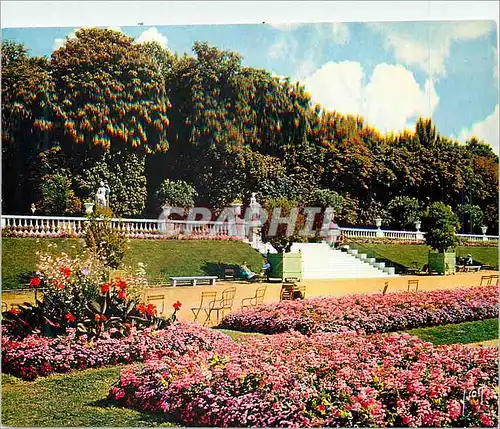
(463, 333)
(408, 255)
(237, 335)
(163, 258)
(74, 399)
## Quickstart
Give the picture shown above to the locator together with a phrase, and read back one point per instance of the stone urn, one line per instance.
(89, 207)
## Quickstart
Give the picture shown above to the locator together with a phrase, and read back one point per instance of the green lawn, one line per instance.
(406, 255)
(468, 332)
(165, 257)
(74, 399)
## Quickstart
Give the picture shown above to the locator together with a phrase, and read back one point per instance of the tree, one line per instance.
(405, 211)
(440, 223)
(472, 216)
(26, 99)
(176, 194)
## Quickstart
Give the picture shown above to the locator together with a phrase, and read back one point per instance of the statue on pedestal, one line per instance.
(102, 196)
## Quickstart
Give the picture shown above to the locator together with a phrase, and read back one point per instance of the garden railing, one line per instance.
(60, 226)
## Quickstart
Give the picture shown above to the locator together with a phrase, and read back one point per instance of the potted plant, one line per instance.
(284, 263)
(441, 224)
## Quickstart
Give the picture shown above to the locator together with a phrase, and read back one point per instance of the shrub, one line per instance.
(176, 193)
(440, 223)
(370, 313)
(38, 356)
(289, 380)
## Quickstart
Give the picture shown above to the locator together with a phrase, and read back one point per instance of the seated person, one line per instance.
(246, 273)
(469, 260)
(266, 268)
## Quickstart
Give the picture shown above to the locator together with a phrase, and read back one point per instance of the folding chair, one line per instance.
(255, 300)
(485, 280)
(386, 286)
(413, 283)
(158, 301)
(226, 303)
(207, 300)
(493, 278)
(286, 293)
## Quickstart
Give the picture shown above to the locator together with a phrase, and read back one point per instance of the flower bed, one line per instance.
(370, 313)
(36, 356)
(290, 380)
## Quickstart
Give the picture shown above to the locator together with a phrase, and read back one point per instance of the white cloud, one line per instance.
(60, 42)
(486, 130)
(152, 35)
(428, 45)
(389, 101)
(340, 33)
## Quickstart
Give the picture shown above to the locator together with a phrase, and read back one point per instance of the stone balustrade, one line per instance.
(54, 226)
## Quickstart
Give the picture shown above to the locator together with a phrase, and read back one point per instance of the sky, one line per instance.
(390, 73)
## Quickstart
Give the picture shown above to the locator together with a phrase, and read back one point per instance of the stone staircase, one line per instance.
(320, 261)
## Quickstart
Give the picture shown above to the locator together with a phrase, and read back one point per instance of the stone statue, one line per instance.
(102, 196)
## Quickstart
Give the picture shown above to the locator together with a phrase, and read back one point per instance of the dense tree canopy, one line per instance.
(106, 108)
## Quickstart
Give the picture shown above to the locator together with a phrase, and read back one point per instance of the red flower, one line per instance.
(121, 284)
(35, 282)
(321, 408)
(70, 318)
(59, 285)
(141, 308)
(177, 305)
(122, 295)
(97, 317)
(151, 310)
(103, 317)
(66, 272)
(15, 311)
(105, 287)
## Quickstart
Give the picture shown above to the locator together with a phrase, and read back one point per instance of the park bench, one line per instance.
(469, 268)
(193, 280)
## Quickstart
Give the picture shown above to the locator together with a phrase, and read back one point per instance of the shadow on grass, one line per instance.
(217, 269)
(147, 419)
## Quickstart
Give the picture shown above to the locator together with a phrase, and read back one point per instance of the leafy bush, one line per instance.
(37, 356)
(176, 193)
(57, 196)
(290, 380)
(440, 223)
(370, 313)
(405, 211)
(474, 217)
(102, 239)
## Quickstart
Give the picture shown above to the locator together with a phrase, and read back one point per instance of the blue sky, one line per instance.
(390, 73)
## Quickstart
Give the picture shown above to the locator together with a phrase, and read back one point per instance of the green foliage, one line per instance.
(440, 225)
(473, 217)
(57, 196)
(326, 198)
(176, 193)
(103, 240)
(405, 211)
(231, 130)
(124, 172)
